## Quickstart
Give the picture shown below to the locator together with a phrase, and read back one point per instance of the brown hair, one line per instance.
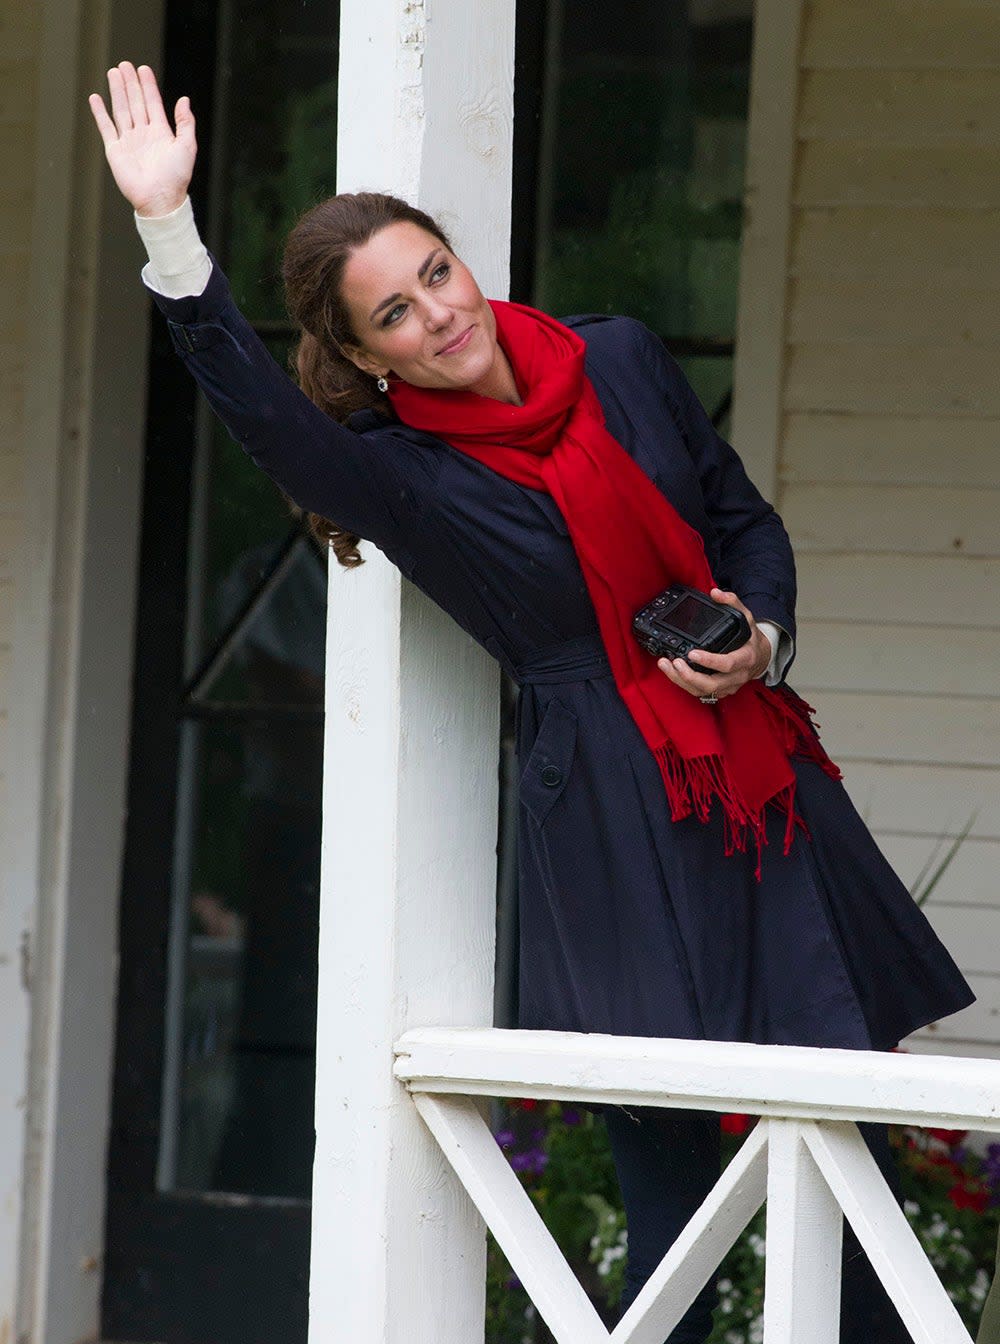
(316, 253)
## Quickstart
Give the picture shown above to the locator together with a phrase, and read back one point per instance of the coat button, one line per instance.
(552, 776)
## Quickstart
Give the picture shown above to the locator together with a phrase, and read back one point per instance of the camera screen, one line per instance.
(693, 617)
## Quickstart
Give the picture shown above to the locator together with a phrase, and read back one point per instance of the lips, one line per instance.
(459, 343)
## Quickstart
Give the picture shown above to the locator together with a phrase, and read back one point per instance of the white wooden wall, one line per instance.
(887, 427)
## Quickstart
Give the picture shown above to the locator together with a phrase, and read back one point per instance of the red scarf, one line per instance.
(631, 543)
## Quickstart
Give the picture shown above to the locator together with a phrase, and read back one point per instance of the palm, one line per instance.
(146, 160)
(151, 164)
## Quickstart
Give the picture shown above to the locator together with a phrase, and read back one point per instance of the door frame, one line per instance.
(75, 593)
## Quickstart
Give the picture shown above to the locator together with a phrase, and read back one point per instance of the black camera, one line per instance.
(683, 618)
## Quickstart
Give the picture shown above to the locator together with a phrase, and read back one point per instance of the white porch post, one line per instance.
(410, 793)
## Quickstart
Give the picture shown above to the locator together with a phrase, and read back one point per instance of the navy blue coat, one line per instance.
(629, 923)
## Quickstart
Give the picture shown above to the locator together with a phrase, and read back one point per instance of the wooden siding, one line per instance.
(19, 43)
(889, 454)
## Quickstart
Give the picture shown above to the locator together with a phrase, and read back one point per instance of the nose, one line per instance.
(437, 315)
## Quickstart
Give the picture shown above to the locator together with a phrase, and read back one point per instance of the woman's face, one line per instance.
(417, 312)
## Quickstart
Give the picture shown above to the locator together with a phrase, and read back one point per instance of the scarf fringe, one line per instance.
(692, 784)
(792, 717)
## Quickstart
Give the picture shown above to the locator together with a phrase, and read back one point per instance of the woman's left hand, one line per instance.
(730, 671)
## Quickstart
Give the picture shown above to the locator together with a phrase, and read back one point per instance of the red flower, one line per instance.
(952, 1137)
(969, 1197)
(526, 1103)
(734, 1124)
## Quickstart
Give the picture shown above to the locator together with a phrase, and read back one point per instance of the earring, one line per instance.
(381, 383)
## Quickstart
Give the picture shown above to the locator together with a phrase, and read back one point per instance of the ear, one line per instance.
(365, 362)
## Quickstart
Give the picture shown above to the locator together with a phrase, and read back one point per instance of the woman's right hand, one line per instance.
(152, 165)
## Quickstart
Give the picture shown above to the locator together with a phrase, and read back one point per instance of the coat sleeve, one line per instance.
(755, 554)
(359, 481)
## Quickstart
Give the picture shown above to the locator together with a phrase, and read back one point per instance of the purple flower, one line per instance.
(533, 1161)
(505, 1138)
(991, 1165)
(570, 1116)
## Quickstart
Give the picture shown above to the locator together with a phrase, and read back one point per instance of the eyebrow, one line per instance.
(421, 272)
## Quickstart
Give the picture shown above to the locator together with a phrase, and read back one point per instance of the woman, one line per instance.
(689, 864)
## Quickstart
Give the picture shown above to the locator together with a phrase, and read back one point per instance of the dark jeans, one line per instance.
(667, 1161)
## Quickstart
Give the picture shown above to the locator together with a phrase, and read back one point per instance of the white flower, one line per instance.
(911, 1208)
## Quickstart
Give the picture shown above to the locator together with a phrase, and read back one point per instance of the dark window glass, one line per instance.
(239, 1058)
(640, 172)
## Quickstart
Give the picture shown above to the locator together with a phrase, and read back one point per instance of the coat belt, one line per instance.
(580, 659)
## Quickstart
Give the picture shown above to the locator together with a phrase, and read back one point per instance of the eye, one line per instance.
(392, 314)
(443, 270)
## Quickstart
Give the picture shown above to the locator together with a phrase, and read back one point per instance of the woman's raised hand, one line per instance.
(152, 164)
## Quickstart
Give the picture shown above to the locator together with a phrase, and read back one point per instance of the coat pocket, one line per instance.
(549, 762)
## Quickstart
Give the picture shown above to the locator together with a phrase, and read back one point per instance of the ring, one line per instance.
(709, 699)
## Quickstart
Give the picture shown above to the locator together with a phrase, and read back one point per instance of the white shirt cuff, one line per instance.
(179, 264)
(782, 648)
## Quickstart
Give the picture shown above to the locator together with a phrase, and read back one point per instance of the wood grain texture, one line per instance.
(971, 933)
(829, 447)
(902, 35)
(900, 380)
(885, 246)
(804, 1235)
(758, 368)
(876, 313)
(918, 519)
(11, 473)
(957, 590)
(926, 800)
(884, 1232)
(876, 656)
(971, 878)
(977, 1026)
(477, 1159)
(801, 1082)
(917, 729)
(855, 172)
(903, 107)
(11, 531)
(18, 89)
(407, 916)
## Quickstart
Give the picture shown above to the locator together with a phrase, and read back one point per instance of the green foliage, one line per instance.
(935, 867)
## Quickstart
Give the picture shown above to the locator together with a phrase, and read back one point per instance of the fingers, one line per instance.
(184, 119)
(119, 101)
(104, 123)
(728, 599)
(133, 92)
(695, 683)
(723, 662)
(151, 97)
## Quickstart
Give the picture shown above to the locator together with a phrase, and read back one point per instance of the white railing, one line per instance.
(806, 1158)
